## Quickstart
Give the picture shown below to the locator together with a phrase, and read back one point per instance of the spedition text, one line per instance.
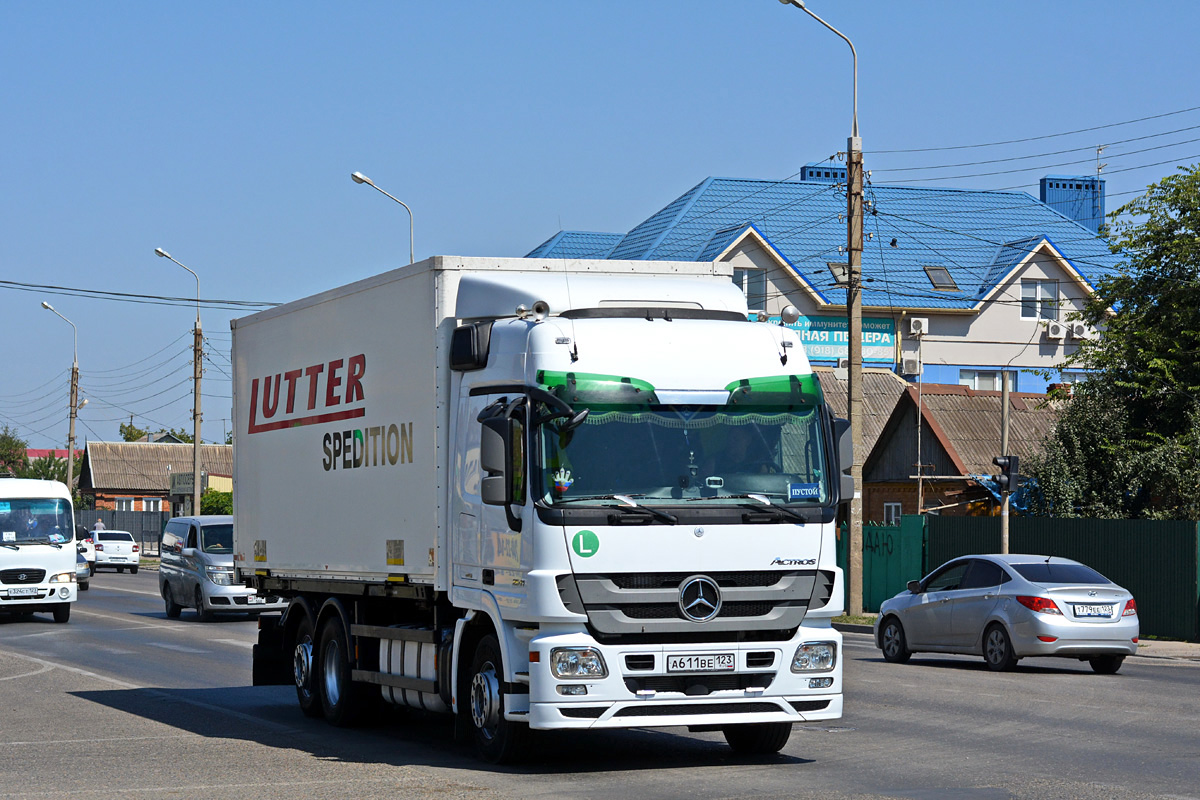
(376, 446)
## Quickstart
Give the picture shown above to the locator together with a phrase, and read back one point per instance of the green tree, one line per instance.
(214, 502)
(130, 432)
(1128, 443)
(13, 457)
(47, 468)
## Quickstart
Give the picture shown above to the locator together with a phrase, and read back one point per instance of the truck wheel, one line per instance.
(173, 608)
(304, 669)
(341, 698)
(761, 738)
(62, 612)
(498, 740)
(202, 613)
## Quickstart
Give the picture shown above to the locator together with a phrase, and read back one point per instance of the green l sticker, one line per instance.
(585, 544)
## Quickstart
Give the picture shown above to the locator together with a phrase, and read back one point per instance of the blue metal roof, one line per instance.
(978, 236)
(576, 244)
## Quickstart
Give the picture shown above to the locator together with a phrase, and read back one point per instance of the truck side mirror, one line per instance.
(845, 457)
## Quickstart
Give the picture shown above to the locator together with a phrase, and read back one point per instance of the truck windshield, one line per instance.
(35, 520)
(760, 443)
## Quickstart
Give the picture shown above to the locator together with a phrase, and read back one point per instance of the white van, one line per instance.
(196, 570)
(37, 548)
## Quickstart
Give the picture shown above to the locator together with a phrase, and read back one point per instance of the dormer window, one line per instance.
(941, 280)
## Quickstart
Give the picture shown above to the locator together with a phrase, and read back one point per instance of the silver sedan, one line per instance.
(1007, 607)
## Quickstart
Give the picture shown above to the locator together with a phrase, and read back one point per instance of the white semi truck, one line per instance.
(37, 548)
(541, 494)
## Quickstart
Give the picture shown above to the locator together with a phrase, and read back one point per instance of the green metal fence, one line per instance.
(1159, 561)
(892, 556)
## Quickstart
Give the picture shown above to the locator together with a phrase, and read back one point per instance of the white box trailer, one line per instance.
(522, 491)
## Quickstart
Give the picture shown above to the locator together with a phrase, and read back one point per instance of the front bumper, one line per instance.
(640, 692)
(47, 596)
(238, 599)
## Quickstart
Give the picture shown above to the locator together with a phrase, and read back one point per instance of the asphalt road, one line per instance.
(122, 702)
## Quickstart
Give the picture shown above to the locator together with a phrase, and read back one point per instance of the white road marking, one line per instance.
(235, 642)
(131, 591)
(45, 668)
(177, 647)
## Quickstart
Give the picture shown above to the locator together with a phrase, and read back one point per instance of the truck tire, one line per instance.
(173, 609)
(342, 700)
(305, 668)
(498, 740)
(62, 612)
(760, 738)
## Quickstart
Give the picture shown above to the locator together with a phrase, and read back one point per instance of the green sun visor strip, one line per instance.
(591, 388)
(776, 390)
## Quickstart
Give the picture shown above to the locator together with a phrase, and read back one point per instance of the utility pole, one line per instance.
(854, 244)
(74, 402)
(197, 370)
(1006, 491)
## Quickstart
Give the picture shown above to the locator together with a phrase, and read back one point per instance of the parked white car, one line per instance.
(117, 549)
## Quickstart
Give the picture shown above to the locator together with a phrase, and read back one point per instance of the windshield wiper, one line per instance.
(40, 540)
(761, 499)
(629, 506)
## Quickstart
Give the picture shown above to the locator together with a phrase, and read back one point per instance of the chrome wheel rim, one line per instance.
(997, 648)
(485, 700)
(333, 672)
(302, 664)
(891, 640)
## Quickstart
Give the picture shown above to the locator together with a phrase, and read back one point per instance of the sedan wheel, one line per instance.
(1106, 665)
(997, 649)
(894, 643)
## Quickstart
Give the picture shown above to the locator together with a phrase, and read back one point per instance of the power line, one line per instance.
(128, 297)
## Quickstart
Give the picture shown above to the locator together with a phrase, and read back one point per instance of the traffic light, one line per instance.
(1007, 479)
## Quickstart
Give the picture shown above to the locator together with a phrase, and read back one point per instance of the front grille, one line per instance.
(19, 576)
(672, 611)
(582, 713)
(671, 580)
(760, 660)
(809, 705)
(692, 709)
(699, 685)
(639, 662)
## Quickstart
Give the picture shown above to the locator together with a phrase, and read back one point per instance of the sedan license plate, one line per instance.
(709, 662)
(1093, 611)
(24, 591)
(252, 600)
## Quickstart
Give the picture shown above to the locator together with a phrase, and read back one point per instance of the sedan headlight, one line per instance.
(63, 577)
(577, 662)
(815, 657)
(219, 575)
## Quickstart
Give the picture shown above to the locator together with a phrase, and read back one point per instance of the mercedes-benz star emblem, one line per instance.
(699, 598)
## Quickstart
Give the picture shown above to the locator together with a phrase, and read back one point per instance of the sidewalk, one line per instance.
(1147, 648)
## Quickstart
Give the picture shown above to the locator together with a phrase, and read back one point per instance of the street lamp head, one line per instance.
(358, 177)
(47, 306)
(158, 251)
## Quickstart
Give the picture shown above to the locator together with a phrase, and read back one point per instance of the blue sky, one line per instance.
(225, 133)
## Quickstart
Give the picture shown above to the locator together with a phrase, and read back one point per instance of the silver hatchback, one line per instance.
(1008, 607)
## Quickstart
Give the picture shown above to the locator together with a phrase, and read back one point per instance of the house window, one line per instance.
(941, 280)
(891, 513)
(753, 283)
(987, 380)
(1039, 299)
(125, 503)
(151, 504)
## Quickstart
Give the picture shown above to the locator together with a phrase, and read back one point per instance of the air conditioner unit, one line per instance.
(910, 366)
(1055, 330)
(918, 326)
(1077, 330)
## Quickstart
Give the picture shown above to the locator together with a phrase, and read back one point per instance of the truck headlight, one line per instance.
(63, 577)
(577, 662)
(219, 575)
(815, 657)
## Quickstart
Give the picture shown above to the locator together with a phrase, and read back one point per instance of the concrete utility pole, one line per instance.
(854, 246)
(74, 403)
(197, 370)
(1006, 492)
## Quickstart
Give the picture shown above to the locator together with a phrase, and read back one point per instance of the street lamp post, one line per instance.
(74, 403)
(358, 177)
(198, 361)
(854, 245)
